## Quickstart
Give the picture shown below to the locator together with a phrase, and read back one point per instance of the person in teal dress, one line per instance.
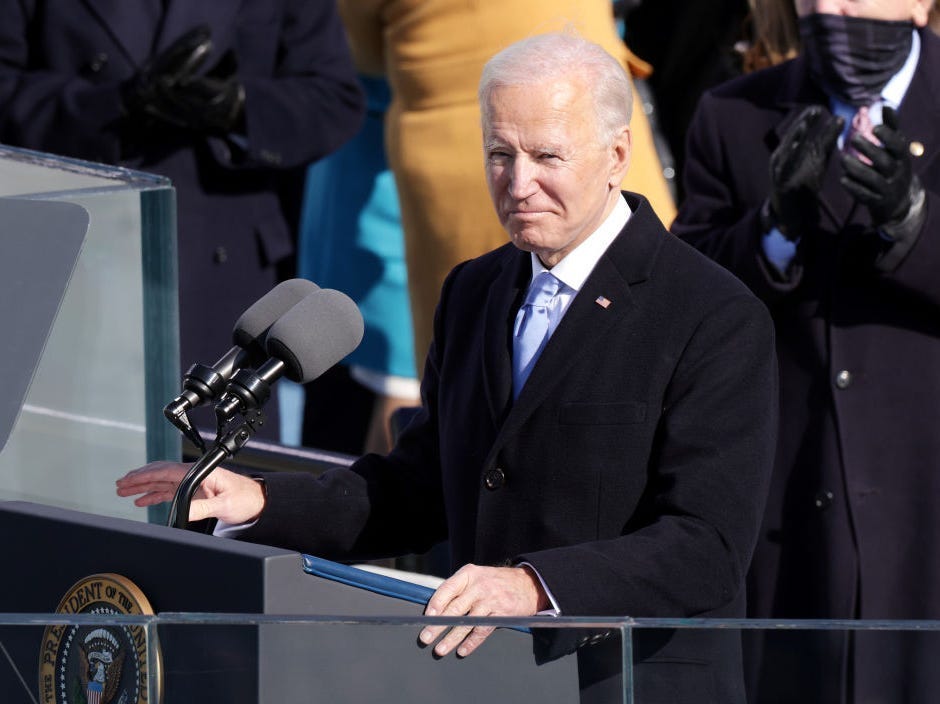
(351, 239)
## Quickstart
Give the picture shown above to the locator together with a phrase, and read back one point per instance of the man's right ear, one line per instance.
(622, 150)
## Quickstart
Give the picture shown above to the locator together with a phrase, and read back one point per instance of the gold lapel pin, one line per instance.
(917, 148)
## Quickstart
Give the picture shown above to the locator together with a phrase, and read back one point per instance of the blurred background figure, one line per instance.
(433, 52)
(351, 239)
(816, 182)
(230, 100)
(773, 35)
(691, 47)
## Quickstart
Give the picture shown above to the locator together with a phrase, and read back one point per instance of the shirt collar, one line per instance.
(577, 265)
(895, 89)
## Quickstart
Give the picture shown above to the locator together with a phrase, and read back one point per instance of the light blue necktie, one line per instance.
(533, 327)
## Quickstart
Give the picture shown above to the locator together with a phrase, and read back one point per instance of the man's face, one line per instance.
(551, 179)
(916, 10)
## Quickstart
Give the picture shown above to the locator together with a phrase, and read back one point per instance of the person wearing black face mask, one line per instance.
(835, 224)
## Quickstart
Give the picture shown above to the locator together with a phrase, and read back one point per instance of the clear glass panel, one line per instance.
(94, 406)
(54, 658)
(805, 661)
(244, 658)
(269, 658)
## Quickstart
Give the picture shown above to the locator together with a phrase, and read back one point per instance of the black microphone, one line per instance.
(202, 383)
(311, 337)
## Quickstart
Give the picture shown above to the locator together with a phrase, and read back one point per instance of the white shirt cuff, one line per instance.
(554, 611)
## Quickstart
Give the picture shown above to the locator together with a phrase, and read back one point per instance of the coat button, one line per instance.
(98, 63)
(843, 379)
(494, 479)
(270, 157)
(823, 500)
(220, 256)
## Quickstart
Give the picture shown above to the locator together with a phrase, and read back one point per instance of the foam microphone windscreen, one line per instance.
(315, 334)
(263, 313)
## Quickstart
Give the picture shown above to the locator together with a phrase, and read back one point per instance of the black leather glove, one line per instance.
(213, 103)
(176, 63)
(887, 186)
(797, 167)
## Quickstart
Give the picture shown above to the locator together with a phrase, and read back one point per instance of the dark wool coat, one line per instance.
(630, 471)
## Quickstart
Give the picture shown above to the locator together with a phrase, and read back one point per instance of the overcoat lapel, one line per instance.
(835, 202)
(586, 323)
(183, 15)
(505, 297)
(131, 25)
(920, 108)
(140, 28)
(797, 93)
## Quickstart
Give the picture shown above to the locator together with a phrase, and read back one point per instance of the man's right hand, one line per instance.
(797, 167)
(230, 497)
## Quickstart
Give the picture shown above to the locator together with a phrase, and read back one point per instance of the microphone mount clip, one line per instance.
(231, 438)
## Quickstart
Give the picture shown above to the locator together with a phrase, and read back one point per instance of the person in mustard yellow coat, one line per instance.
(433, 52)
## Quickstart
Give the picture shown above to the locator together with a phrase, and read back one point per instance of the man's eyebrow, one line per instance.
(493, 142)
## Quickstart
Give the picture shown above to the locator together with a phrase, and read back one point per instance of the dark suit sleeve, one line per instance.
(915, 268)
(380, 506)
(685, 548)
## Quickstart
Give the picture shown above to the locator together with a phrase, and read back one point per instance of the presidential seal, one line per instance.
(98, 664)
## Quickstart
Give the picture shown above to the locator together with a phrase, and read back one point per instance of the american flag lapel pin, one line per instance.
(602, 302)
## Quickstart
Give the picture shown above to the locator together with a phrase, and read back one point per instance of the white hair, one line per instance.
(558, 55)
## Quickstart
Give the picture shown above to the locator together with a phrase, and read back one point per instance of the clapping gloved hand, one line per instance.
(213, 103)
(169, 90)
(881, 177)
(797, 167)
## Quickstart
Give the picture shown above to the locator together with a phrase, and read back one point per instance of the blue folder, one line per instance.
(378, 583)
(363, 579)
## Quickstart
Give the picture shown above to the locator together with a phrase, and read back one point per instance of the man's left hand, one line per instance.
(887, 185)
(481, 591)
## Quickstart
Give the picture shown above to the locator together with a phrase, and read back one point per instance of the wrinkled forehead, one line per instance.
(538, 100)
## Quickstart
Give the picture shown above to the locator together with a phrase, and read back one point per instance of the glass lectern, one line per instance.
(106, 352)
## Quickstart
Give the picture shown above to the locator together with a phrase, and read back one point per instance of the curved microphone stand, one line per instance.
(226, 445)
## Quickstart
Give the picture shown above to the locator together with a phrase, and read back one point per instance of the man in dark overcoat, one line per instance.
(840, 236)
(625, 475)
